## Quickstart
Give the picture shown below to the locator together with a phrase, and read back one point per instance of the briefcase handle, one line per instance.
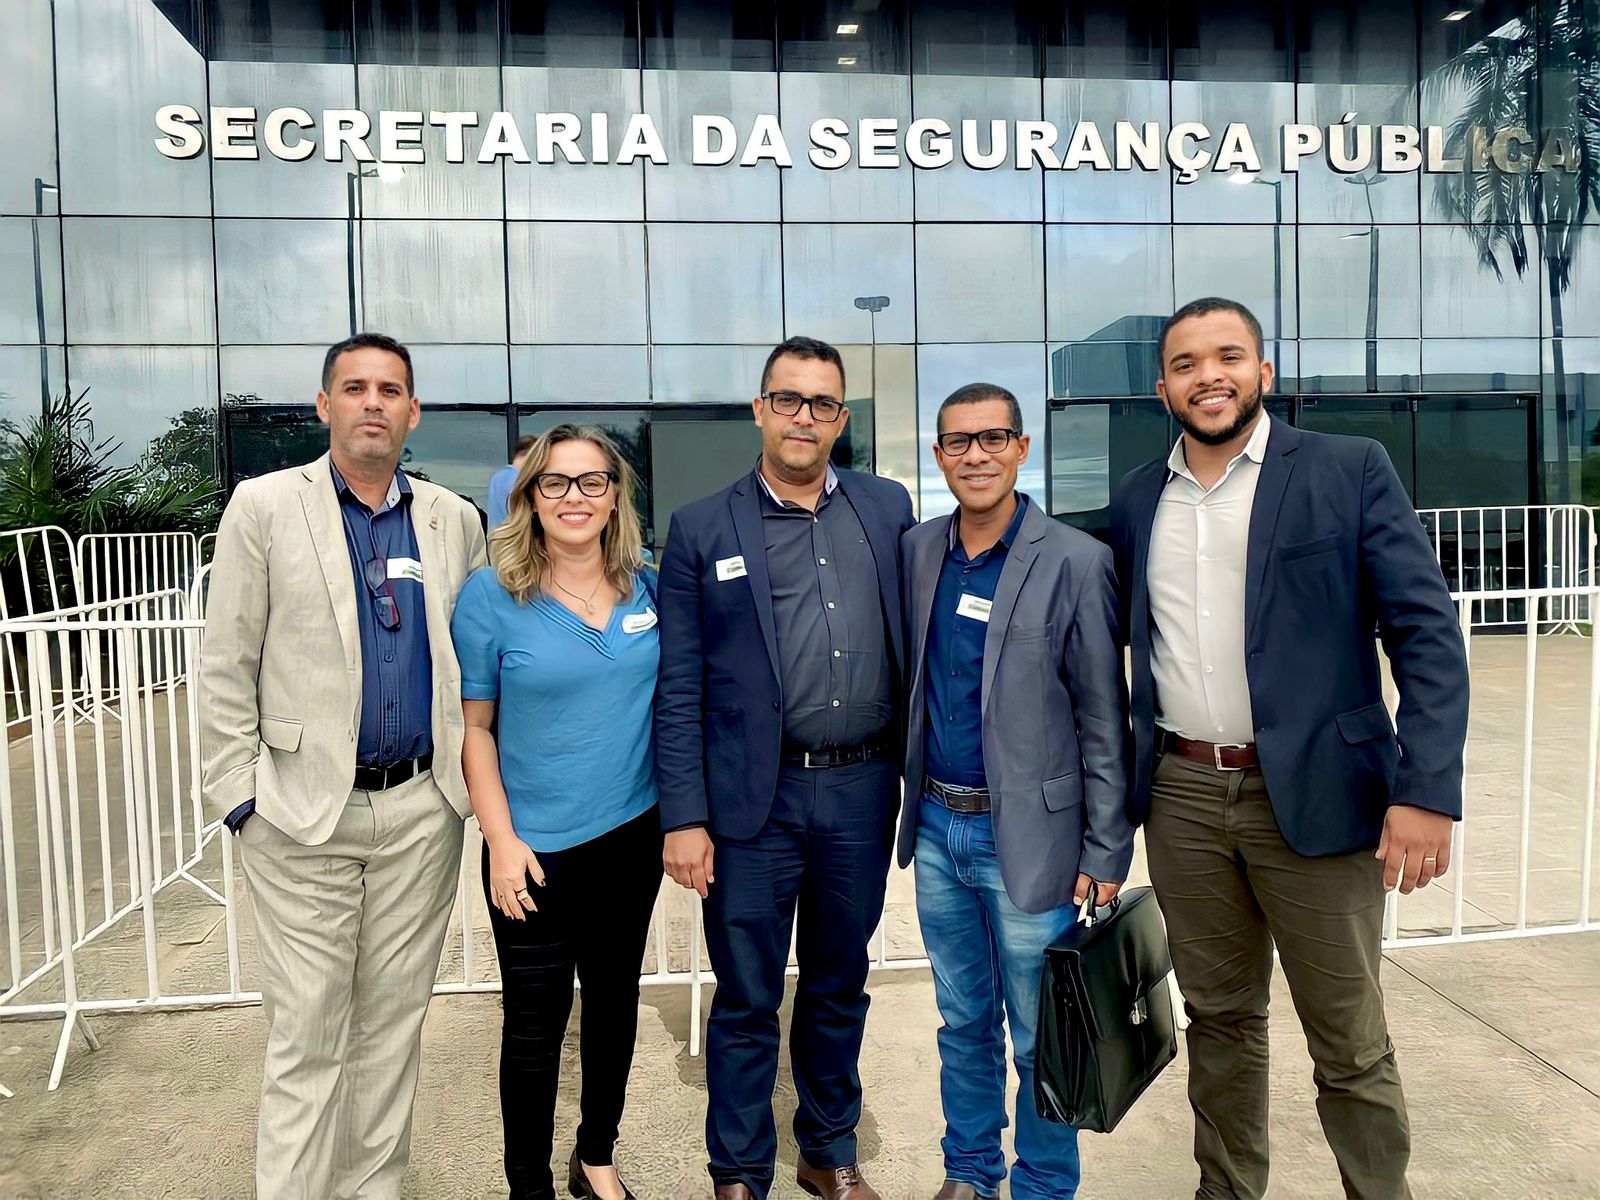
(1087, 910)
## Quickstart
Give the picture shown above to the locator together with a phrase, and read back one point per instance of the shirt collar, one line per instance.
(1008, 538)
(399, 489)
(1255, 450)
(830, 484)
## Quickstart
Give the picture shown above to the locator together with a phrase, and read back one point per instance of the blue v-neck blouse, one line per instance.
(576, 739)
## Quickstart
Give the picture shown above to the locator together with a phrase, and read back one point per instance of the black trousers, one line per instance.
(821, 862)
(593, 919)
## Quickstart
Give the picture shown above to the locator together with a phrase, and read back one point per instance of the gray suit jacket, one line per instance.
(280, 666)
(1055, 707)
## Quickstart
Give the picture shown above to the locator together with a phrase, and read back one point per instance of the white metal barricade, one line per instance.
(115, 824)
(40, 570)
(1503, 550)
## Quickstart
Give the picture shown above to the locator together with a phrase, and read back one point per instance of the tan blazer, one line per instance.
(280, 669)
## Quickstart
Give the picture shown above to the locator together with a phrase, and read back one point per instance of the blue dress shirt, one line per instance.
(953, 745)
(576, 707)
(500, 495)
(396, 665)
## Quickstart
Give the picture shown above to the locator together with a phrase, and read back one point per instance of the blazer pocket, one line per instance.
(280, 733)
(1364, 724)
(1316, 545)
(1030, 633)
(1063, 792)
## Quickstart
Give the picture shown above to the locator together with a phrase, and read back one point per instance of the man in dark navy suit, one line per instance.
(1256, 562)
(779, 739)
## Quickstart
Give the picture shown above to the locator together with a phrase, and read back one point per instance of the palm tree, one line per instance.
(1541, 72)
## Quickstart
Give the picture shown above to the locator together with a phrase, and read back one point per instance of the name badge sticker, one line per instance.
(975, 607)
(730, 568)
(639, 622)
(405, 568)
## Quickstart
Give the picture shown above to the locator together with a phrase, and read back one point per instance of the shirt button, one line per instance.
(1205, 612)
(836, 704)
(830, 603)
(1209, 670)
(822, 562)
(836, 653)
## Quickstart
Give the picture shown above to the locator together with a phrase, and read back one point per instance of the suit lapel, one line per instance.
(1143, 518)
(924, 583)
(1019, 561)
(429, 532)
(321, 505)
(746, 507)
(1276, 466)
(884, 541)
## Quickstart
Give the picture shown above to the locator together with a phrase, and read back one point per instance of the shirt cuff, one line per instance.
(235, 820)
(685, 825)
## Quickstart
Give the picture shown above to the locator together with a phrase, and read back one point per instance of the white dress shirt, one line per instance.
(1196, 576)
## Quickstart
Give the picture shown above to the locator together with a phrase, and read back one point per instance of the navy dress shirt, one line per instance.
(396, 665)
(953, 745)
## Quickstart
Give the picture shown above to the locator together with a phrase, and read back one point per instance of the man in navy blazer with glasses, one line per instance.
(1257, 563)
(779, 733)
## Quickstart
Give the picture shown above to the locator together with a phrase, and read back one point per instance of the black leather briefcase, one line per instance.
(1106, 1026)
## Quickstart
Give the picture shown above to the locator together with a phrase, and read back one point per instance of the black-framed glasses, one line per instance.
(823, 408)
(990, 441)
(384, 603)
(553, 485)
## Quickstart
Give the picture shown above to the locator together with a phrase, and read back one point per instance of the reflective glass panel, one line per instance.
(437, 281)
(1085, 193)
(1473, 451)
(458, 450)
(1365, 278)
(1235, 193)
(580, 374)
(1370, 194)
(299, 31)
(140, 62)
(954, 37)
(28, 381)
(1081, 259)
(577, 282)
(25, 279)
(827, 267)
(844, 37)
(268, 186)
(144, 280)
(707, 374)
(1385, 419)
(1092, 446)
(603, 190)
(272, 374)
(460, 374)
(1105, 40)
(712, 282)
(436, 187)
(139, 392)
(1480, 364)
(1254, 265)
(707, 35)
(28, 117)
(1575, 311)
(683, 191)
(1388, 365)
(851, 192)
(958, 191)
(1463, 297)
(980, 282)
(573, 33)
(428, 32)
(283, 281)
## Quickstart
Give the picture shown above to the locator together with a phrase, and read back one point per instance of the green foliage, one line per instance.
(53, 471)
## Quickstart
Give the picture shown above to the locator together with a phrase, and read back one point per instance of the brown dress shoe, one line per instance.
(834, 1183)
(733, 1191)
(957, 1190)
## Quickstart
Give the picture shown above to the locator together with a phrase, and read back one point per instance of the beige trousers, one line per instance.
(350, 934)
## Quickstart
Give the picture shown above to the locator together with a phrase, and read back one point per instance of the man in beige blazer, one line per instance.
(331, 730)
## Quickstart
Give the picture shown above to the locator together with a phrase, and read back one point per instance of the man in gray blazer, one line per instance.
(1015, 777)
(331, 732)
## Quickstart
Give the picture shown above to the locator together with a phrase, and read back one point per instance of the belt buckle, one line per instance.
(1216, 754)
(805, 759)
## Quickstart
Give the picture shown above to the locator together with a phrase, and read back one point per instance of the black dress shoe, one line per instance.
(579, 1186)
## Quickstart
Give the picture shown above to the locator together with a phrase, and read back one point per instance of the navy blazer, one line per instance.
(719, 699)
(1335, 551)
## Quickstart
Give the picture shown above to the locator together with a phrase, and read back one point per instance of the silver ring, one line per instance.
(1427, 858)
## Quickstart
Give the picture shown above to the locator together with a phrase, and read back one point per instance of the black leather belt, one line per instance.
(957, 798)
(377, 779)
(832, 756)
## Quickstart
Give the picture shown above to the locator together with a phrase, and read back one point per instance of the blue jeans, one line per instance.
(986, 952)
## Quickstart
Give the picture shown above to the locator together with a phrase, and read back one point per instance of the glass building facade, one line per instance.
(196, 296)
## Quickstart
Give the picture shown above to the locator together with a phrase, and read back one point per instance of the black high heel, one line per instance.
(578, 1184)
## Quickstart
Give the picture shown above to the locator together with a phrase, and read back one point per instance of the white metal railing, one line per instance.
(40, 576)
(1492, 550)
(116, 829)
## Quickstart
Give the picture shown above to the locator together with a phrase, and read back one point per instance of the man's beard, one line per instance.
(1247, 413)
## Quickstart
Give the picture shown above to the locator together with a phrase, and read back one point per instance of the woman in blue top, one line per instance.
(560, 633)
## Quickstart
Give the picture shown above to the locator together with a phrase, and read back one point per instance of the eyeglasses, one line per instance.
(786, 404)
(384, 603)
(553, 485)
(990, 441)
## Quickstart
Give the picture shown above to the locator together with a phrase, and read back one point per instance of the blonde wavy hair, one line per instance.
(516, 546)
